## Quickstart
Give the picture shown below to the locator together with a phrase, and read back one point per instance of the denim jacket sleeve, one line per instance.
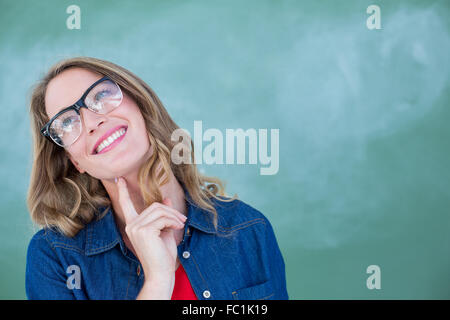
(273, 258)
(277, 266)
(45, 277)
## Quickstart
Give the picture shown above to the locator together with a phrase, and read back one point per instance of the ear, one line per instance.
(75, 163)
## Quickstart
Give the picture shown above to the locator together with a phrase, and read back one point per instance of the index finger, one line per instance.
(125, 201)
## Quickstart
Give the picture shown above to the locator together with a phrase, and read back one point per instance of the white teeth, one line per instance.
(110, 139)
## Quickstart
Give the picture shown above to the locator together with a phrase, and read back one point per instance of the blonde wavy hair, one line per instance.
(60, 196)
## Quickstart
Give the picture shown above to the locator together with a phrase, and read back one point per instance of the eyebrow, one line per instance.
(61, 108)
(86, 91)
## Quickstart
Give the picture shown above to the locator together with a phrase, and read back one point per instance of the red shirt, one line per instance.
(182, 289)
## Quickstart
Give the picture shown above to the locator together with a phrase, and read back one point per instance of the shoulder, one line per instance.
(49, 239)
(237, 214)
(40, 249)
(38, 242)
(45, 271)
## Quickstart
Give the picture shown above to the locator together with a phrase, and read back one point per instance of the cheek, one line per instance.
(73, 159)
(77, 150)
(134, 116)
(129, 105)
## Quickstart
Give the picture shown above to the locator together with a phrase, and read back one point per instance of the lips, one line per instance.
(106, 135)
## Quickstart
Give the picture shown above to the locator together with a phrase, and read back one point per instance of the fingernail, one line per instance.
(115, 180)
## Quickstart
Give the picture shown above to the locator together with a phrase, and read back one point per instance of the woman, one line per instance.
(120, 220)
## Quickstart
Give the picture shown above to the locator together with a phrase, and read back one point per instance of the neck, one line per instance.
(172, 190)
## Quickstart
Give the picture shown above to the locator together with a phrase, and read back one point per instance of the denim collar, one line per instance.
(103, 234)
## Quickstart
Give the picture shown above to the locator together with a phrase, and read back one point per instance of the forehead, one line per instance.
(66, 88)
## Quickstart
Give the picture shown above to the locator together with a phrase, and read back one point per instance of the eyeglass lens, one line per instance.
(103, 98)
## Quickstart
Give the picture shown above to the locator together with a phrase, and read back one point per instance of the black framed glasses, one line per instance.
(65, 127)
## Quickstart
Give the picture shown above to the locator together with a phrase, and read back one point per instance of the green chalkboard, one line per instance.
(360, 101)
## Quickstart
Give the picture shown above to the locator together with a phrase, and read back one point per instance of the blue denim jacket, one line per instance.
(241, 260)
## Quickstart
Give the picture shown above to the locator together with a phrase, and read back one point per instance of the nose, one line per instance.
(91, 120)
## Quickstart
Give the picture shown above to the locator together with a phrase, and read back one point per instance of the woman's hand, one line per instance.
(152, 235)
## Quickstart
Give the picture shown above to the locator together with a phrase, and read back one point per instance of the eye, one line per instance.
(101, 94)
(69, 122)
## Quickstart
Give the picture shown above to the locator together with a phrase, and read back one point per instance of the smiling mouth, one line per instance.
(112, 141)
